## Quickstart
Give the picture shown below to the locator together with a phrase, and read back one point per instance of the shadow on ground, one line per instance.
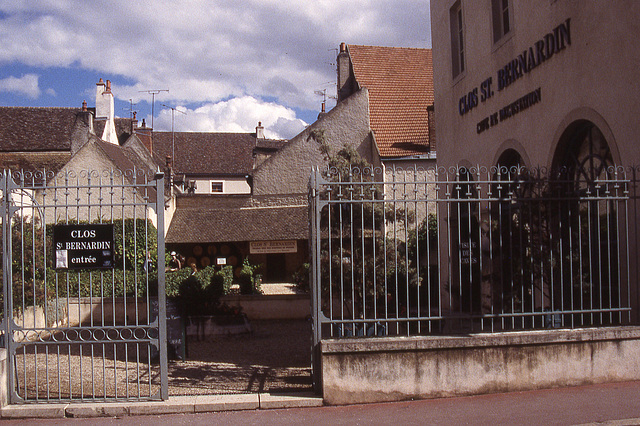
(274, 357)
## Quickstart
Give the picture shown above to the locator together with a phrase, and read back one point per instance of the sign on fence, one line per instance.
(83, 246)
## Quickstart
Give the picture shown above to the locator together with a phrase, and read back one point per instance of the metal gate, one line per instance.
(82, 320)
(460, 250)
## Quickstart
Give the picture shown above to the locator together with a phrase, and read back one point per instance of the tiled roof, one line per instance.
(400, 84)
(248, 224)
(270, 144)
(207, 153)
(34, 161)
(44, 129)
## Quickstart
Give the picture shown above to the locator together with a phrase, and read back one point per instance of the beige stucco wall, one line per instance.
(594, 78)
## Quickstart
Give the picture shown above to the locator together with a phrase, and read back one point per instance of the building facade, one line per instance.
(546, 85)
(532, 82)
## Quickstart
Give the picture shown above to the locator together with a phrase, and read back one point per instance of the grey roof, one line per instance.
(245, 224)
(207, 153)
(36, 129)
(34, 161)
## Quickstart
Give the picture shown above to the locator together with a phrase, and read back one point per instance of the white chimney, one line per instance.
(105, 111)
(259, 131)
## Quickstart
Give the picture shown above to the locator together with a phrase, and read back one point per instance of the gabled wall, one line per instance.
(288, 171)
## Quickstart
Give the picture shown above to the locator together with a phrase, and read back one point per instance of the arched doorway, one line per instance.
(587, 227)
(582, 157)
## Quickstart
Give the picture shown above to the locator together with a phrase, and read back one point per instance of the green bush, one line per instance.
(248, 279)
(301, 278)
(199, 293)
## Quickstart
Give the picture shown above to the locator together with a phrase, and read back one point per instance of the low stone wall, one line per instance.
(390, 369)
(93, 311)
(272, 306)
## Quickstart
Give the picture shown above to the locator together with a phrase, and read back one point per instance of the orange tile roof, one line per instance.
(400, 84)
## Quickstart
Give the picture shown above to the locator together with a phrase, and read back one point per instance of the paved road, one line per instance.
(616, 404)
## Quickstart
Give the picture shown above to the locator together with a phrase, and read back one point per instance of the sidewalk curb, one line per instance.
(174, 405)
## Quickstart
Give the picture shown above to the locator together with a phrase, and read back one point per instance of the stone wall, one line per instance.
(391, 369)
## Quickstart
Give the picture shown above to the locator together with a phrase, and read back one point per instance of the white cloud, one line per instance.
(221, 58)
(26, 85)
(207, 51)
(235, 115)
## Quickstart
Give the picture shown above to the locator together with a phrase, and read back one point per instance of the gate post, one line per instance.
(162, 294)
(4, 329)
(314, 279)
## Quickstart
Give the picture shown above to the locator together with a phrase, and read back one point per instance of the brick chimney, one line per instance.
(345, 79)
(431, 126)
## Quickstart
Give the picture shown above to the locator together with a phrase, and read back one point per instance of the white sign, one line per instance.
(262, 247)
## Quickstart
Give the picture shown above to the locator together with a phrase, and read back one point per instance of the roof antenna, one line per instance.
(131, 110)
(173, 135)
(153, 93)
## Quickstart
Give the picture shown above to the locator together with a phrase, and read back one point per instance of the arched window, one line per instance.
(583, 156)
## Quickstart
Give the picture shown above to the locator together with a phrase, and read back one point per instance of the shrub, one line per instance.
(301, 278)
(248, 279)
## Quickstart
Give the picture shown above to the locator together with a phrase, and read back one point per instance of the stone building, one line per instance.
(549, 85)
(532, 83)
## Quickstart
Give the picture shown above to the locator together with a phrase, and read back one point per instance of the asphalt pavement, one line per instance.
(609, 404)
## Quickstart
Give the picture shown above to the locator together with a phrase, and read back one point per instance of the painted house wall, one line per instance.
(229, 185)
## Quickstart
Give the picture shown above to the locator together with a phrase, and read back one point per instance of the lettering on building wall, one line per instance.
(262, 247)
(541, 51)
(510, 110)
(83, 246)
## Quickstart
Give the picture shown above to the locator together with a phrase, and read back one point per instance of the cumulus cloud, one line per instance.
(26, 85)
(234, 115)
(206, 52)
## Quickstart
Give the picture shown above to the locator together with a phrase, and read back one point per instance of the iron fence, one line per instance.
(83, 317)
(460, 250)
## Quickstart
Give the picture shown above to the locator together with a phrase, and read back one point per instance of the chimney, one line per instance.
(105, 111)
(145, 135)
(169, 172)
(323, 111)
(344, 73)
(259, 131)
(86, 117)
(431, 127)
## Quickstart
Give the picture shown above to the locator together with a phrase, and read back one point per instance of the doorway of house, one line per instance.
(276, 268)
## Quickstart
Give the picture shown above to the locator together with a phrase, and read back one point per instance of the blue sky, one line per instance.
(226, 63)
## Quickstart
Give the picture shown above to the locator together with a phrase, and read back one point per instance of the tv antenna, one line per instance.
(323, 93)
(173, 135)
(131, 110)
(153, 93)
